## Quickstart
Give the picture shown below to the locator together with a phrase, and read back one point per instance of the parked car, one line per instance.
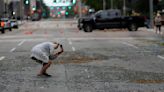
(106, 19)
(5, 24)
(14, 23)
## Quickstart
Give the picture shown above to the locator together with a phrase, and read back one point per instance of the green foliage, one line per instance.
(141, 6)
(96, 4)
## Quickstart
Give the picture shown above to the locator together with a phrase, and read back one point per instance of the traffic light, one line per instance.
(66, 13)
(73, 1)
(27, 1)
(69, 7)
(63, 7)
(59, 13)
(34, 8)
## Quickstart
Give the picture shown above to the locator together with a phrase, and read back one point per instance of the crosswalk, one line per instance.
(50, 24)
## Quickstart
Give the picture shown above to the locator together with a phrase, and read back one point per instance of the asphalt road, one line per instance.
(102, 61)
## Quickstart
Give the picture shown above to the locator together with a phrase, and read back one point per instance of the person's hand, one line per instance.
(61, 46)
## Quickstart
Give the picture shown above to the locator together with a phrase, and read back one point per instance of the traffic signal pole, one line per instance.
(21, 9)
(151, 13)
(80, 9)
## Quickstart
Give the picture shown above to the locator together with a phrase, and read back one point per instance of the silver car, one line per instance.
(14, 23)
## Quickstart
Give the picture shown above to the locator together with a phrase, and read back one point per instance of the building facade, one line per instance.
(2, 8)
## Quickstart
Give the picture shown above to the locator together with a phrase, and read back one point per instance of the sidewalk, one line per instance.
(153, 30)
(21, 22)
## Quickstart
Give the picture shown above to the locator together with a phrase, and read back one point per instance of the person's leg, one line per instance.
(159, 29)
(156, 29)
(44, 68)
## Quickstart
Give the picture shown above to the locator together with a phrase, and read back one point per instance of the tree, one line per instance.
(96, 4)
(141, 6)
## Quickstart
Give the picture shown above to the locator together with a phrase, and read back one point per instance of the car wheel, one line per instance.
(132, 27)
(2, 31)
(88, 28)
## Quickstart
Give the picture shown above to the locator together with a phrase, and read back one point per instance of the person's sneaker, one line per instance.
(47, 75)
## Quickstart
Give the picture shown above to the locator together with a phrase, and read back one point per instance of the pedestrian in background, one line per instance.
(158, 23)
(44, 53)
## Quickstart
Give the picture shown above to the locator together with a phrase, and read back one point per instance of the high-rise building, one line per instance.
(2, 8)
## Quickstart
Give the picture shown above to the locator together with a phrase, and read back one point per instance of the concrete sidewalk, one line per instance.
(153, 30)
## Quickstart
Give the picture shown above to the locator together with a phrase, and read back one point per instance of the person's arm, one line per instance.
(61, 50)
(57, 45)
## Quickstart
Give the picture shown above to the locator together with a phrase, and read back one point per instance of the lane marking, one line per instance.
(161, 57)
(70, 42)
(131, 45)
(1, 58)
(13, 49)
(90, 38)
(74, 39)
(21, 42)
(73, 48)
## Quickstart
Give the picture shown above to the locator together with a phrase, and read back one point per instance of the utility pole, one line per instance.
(6, 8)
(111, 4)
(151, 13)
(104, 4)
(21, 9)
(124, 7)
(80, 11)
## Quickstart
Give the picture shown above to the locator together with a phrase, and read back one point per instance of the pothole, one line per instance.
(79, 57)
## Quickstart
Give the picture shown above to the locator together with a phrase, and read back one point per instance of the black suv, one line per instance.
(106, 19)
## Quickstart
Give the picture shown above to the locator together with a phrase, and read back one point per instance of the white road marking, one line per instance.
(21, 42)
(73, 48)
(70, 42)
(74, 39)
(1, 58)
(13, 49)
(128, 44)
(86, 70)
(161, 57)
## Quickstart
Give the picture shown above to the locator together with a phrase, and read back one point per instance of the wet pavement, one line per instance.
(85, 70)
(94, 65)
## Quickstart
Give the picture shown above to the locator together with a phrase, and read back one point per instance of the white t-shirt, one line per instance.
(43, 51)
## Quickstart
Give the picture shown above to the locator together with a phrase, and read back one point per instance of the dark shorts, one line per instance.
(38, 61)
(158, 25)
